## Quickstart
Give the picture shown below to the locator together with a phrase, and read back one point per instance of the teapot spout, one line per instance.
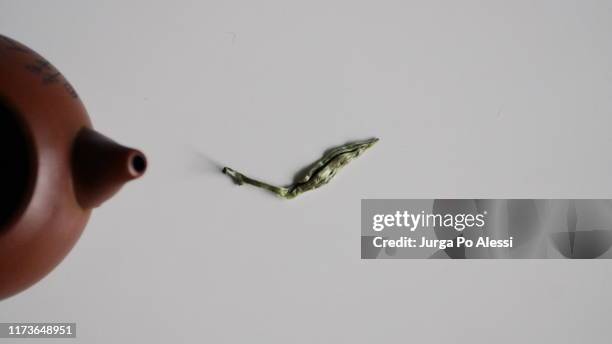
(100, 167)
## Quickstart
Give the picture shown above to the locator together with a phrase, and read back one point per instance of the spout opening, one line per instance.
(138, 164)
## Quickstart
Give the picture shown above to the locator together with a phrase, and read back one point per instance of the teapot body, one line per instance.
(46, 209)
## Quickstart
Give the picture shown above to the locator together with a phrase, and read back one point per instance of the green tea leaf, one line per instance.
(317, 175)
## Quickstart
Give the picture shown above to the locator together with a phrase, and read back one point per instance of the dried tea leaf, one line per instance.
(318, 174)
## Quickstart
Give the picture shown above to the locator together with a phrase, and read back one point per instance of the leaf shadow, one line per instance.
(202, 162)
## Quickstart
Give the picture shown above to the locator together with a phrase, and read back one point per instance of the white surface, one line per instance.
(470, 99)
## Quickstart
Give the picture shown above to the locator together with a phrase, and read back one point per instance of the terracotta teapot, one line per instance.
(55, 168)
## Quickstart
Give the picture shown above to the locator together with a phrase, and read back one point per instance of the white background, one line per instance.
(470, 99)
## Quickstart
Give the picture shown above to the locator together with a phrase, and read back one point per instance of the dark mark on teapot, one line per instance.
(49, 75)
(12, 45)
